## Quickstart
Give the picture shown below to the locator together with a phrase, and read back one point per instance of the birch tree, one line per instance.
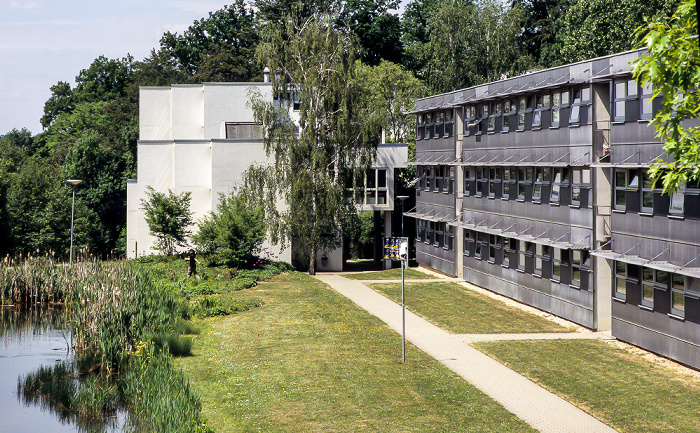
(314, 65)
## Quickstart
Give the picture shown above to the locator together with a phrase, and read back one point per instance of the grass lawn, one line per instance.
(391, 274)
(309, 360)
(627, 392)
(456, 309)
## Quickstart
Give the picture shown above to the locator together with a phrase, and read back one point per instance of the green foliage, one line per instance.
(235, 231)
(168, 217)
(389, 91)
(595, 28)
(307, 168)
(672, 67)
(218, 48)
(542, 22)
(378, 31)
(471, 43)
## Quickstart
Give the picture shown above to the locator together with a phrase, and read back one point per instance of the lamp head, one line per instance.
(74, 182)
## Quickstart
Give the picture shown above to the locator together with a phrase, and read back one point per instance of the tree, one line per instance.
(377, 30)
(227, 34)
(473, 43)
(235, 231)
(672, 68)
(168, 217)
(595, 28)
(415, 34)
(316, 64)
(388, 92)
(542, 23)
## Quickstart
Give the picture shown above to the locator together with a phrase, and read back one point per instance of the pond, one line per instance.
(28, 340)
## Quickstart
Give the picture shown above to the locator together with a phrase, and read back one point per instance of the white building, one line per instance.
(201, 138)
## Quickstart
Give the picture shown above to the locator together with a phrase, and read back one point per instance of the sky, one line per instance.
(43, 42)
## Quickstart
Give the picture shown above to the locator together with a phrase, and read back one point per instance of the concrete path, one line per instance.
(528, 401)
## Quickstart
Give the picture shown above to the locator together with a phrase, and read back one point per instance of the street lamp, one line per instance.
(402, 198)
(74, 183)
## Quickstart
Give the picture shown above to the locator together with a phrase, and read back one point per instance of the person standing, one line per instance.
(192, 270)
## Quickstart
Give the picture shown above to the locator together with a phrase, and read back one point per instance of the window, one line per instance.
(481, 180)
(419, 127)
(620, 280)
(509, 249)
(439, 175)
(508, 109)
(429, 125)
(645, 106)
(448, 182)
(624, 89)
(580, 263)
(555, 194)
(542, 253)
(243, 130)
(542, 179)
(468, 180)
(559, 100)
(524, 178)
(469, 119)
(494, 244)
(522, 253)
(495, 112)
(468, 240)
(581, 97)
(647, 193)
(449, 121)
(542, 105)
(449, 237)
(678, 295)
(429, 229)
(439, 124)
(478, 247)
(439, 234)
(677, 201)
(523, 107)
(421, 232)
(620, 189)
(648, 287)
(509, 179)
(581, 182)
(559, 259)
(494, 180)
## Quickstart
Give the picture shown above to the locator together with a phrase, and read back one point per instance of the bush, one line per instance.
(234, 232)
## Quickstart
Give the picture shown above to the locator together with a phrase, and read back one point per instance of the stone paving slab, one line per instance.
(533, 404)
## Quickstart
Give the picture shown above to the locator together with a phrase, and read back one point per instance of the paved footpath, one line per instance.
(533, 404)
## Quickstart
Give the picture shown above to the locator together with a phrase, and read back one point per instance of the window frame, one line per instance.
(678, 293)
(542, 254)
(646, 99)
(620, 189)
(579, 184)
(508, 185)
(448, 124)
(580, 98)
(620, 277)
(558, 181)
(581, 264)
(495, 179)
(481, 180)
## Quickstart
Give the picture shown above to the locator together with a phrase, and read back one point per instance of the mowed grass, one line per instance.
(459, 310)
(622, 389)
(309, 360)
(391, 274)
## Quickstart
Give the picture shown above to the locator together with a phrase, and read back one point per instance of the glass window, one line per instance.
(468, 239)
(557, 256)
(449, 120)
(580, 183)
(556, 108)
(494, 180)
(620, 99)
(678, 295)
(419, 127)
(556, 187)
(522, 253)
(620, 189)
(580, 262)
(620, 280)
(509, 179)
(494, 244)
(647, 193)
(467, 180)
(648, 287)
(677, 204)
(646, 107)
(439, 124)
(481, 180)
(522, 107)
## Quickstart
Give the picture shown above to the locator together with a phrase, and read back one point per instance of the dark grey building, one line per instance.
(535, 187)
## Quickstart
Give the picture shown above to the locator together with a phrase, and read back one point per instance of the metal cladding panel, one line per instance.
(435, 258)
(657, 332)
(654, 235)
(438, 198)
(438, 144)
(537, 292)
(527, 210)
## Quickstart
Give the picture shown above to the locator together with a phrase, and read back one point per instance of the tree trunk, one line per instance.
(312, 262)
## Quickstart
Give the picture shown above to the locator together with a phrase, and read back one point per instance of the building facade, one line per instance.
(536, 187)
(201, 138)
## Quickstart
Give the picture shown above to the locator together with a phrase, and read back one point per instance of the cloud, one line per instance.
(14, 4)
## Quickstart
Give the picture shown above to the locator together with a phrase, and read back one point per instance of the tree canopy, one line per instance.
(672, 68)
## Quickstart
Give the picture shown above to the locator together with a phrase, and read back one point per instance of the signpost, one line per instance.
(397, 249)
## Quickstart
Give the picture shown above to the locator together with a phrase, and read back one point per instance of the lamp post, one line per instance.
(404, 263)
(74, 183)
